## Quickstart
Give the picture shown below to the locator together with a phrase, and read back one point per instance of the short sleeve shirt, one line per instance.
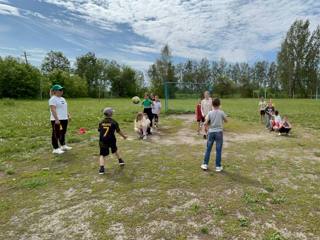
(147, 103)
(206, 106)
(156, 107)
(262, 105)
(216, 118)
(107, 129)
(61, 107)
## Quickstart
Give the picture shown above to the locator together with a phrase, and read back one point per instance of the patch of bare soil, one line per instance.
(187, 135)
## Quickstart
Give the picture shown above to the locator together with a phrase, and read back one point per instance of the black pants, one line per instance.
(148, 111)
(284, 130)
(59, 133)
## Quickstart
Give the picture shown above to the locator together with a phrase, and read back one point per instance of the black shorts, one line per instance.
(104, 148)
(262, 112)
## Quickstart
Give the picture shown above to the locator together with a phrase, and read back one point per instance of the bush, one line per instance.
(18, 80)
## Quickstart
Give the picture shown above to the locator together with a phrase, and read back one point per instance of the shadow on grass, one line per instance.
(241, 179)
(120, 174)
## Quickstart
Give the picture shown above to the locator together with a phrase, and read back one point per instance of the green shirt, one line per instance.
(147, 103)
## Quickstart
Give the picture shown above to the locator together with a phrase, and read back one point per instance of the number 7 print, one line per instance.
(107, 130)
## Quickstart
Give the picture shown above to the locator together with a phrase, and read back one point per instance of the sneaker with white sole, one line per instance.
(204, 167)
(144, 137)
(57, 151)
(66, 148)
(121, 162)
(219, 169)
(101, 170)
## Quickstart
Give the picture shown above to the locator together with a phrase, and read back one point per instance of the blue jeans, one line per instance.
(218, 138)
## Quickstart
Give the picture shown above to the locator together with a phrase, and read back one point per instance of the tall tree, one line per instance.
(298, 59)
(163, 71)
(55, 61)
(91, 69)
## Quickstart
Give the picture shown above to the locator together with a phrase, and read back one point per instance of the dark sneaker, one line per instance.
(204, 136)
(121, 162)
(101, 170)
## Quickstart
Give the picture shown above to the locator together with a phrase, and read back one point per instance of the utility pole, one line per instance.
(25, 55)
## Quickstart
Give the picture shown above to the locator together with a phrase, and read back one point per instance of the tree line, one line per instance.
(89, 77)
(295, 73)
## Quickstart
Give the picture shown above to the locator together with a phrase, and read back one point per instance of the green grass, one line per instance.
(269, 189)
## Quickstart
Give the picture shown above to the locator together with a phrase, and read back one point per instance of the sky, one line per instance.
(133, 32)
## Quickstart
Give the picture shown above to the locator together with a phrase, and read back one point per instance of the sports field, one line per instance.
(270, 187)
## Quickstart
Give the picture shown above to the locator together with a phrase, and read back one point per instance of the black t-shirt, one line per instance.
(269, 110)
(107, 128)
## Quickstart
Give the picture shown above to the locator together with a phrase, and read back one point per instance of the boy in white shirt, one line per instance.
(214, 122)
(156, 109)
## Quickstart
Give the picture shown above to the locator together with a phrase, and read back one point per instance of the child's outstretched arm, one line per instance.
(122, 134)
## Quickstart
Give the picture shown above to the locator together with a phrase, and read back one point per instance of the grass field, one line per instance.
(270, 188)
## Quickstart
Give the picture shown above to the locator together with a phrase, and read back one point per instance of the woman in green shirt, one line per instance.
(147, 108)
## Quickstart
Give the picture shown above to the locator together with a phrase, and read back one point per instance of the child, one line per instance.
(214, 122)
(285, 126)
(262, 106)
(141, 125)
(147, 108)
(199, 117)
(107, 128)
(277, 121)
(269, 113)
(156, 109)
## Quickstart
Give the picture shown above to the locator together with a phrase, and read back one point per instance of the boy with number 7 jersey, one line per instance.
(107, 139)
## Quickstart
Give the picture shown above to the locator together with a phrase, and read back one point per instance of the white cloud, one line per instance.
(238, 30)
(142, 65)
(235, 29)
(8, 10)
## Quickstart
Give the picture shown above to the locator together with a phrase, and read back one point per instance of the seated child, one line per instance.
(107, 140)
(285, 126)
(276, 122)
(141, 125)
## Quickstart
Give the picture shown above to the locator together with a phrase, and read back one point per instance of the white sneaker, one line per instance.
(279, 134)
(219, 169)
(57, 151)
(204, 166)
(66, 148)
(144, 137)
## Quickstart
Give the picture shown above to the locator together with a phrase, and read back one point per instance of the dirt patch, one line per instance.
(186, 135)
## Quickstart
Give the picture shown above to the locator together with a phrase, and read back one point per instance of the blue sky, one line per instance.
(133, 31)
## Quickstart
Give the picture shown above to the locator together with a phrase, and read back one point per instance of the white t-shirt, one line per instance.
(61, 107)
(206, 106)
(262, 105)
(156, 107)
(277, 119)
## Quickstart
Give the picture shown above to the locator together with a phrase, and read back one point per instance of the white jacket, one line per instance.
(143, 123)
